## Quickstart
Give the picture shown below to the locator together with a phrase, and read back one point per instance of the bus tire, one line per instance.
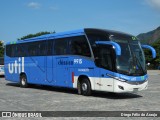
(85, 87)
(79, 88)
(23, 81)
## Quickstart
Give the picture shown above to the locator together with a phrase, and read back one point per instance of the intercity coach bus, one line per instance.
(86, 59)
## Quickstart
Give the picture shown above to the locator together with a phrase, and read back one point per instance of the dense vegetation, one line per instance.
(152, 38)
(154, 62)
(1, 49)
(34, 35)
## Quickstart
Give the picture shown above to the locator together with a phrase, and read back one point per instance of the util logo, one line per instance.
(17, 66)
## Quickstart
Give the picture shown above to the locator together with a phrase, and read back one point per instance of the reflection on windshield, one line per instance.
(138, 55)
(131, 61)
(125, 62)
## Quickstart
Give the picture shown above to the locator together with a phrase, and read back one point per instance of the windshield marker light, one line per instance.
(134, 38)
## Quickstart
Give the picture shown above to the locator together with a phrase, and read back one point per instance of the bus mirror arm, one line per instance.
(115, 45)
(152, 50)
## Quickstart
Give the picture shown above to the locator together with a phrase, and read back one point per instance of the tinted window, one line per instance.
(37, 48)
(79, 46)
(9, 50)
(60, 47)
(97, 37)
(26, 49)
(50, 47)
(19, 50)
(105, 57)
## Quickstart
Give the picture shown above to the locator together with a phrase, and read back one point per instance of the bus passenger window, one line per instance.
(60, 47)
(79, 46)
(50, 47)
(41, 48)
(9, 51)
(105, 57)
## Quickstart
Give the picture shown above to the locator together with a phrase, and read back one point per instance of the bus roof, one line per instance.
(51, 36)
(106, 31)
(69, 34)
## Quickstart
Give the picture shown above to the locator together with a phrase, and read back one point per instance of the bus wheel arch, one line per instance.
(23, 80)
(84, 85)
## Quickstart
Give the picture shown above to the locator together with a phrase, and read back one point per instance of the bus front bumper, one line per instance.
(124, 87)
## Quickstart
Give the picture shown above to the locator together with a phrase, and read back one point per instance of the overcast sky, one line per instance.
(21, 17)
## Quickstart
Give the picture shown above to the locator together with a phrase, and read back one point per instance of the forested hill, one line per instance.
(150, 37)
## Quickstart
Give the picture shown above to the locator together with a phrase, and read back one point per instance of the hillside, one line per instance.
(150, 37)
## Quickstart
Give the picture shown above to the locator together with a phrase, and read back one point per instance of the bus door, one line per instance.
(62, 71)
(105, 62)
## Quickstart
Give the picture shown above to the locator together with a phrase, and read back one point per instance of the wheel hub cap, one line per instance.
(84, 86)
(23, 81)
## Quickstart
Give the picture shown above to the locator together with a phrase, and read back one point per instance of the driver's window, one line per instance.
(105, 57)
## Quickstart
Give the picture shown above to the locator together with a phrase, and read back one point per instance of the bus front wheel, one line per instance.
(85, 87)
(23, 81)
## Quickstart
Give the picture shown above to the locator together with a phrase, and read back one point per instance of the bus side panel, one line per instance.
(62, 71)
(49, 70)
(69, 68)
(12, 68)
(83, 71)
(82, 66)
(35, 69)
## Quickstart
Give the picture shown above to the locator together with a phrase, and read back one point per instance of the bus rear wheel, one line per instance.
(23, 81)
(85, 87)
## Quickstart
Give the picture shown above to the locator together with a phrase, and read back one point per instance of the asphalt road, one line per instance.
(44, 98)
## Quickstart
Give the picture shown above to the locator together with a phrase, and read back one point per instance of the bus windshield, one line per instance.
(132, 60)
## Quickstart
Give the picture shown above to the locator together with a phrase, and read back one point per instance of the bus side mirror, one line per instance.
(152, 50)
(115, 45)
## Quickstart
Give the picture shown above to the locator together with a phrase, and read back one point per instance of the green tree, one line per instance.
(154, 62)
(35, 35)
(1, 49)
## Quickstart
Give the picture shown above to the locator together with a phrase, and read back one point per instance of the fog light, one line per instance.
(120, 87)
